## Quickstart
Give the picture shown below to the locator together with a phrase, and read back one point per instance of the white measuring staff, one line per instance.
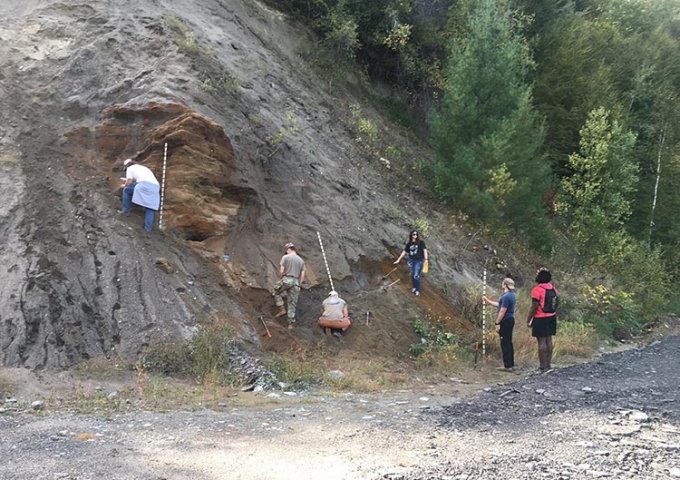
(165, 161)
(484, 314)
(323, 253)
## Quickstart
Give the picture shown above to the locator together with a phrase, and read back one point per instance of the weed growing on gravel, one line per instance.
(299, 370)
(205, 357)
(151, 391)
(365, 130)
(575, 338)
(6, 387)
(433, 338)
(393, 153)
(392, 213)
(290, 126)
(93, 400)
(367, 376)
(171, 357)
(103, 368)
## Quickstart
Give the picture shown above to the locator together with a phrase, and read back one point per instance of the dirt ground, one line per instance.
(616, 417)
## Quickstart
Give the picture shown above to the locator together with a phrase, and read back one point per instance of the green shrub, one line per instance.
(167, 358)
(392, 213)
(294, 370)
(432, 337)
(422, 225)
(368, 129)
(612, 311)
(210, 351)
(575, 338)
(205, 356)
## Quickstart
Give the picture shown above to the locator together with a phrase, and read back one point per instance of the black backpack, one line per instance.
(550, 301)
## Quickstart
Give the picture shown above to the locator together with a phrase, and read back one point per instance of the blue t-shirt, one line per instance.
(507, 300)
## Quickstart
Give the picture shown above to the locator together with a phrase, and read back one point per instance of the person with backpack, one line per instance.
(505, 321)
(543, 316)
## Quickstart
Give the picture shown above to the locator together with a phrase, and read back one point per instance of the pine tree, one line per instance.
(486, 132)
(595, 199)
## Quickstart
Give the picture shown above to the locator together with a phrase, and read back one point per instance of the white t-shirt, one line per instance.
(140, 173)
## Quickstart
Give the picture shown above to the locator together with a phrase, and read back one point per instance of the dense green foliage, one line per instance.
(487, 135)
(546, 116)
(595, 199)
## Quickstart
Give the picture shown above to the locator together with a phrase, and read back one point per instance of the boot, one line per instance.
(281, 312)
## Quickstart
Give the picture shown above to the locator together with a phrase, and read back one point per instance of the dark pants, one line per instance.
(505, 333)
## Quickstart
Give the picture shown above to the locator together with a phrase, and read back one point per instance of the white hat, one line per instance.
(332, 292)
(127, 162)
(509, 282)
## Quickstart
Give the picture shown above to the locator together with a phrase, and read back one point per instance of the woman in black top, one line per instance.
(417, 256)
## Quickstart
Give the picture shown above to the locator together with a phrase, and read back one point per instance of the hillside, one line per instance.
(262, 150)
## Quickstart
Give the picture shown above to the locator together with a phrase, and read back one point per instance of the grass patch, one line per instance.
(6, 387)
(169, 357)
(365, 377)
(148, 392)
(575, 339)
(205, 358)
(446, 359)
(103, 368)
(298, 369)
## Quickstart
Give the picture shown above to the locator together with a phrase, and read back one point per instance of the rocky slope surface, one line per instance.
(261, 150)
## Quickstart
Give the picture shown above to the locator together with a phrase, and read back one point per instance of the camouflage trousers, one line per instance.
(288, 287)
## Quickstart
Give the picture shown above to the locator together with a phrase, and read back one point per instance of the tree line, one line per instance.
(558, 120)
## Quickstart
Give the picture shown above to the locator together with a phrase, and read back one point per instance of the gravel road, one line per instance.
(617, 418)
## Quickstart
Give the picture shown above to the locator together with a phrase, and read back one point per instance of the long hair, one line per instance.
(410, 237)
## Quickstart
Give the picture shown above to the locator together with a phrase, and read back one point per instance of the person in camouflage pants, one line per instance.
(292, 273)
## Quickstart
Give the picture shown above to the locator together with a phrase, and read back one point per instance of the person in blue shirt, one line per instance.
(505, 321)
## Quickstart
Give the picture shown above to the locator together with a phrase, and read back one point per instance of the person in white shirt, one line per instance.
(141, 188)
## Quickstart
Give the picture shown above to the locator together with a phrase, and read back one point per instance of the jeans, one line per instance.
(508, 350)
(149, 215)
(415, 266)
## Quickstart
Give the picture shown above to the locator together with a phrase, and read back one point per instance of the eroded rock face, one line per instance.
(84, 86)
(200, 196)
(86, 283)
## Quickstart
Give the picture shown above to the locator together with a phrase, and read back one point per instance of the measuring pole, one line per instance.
(165, 161)
(323, 253)
(484, 315)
